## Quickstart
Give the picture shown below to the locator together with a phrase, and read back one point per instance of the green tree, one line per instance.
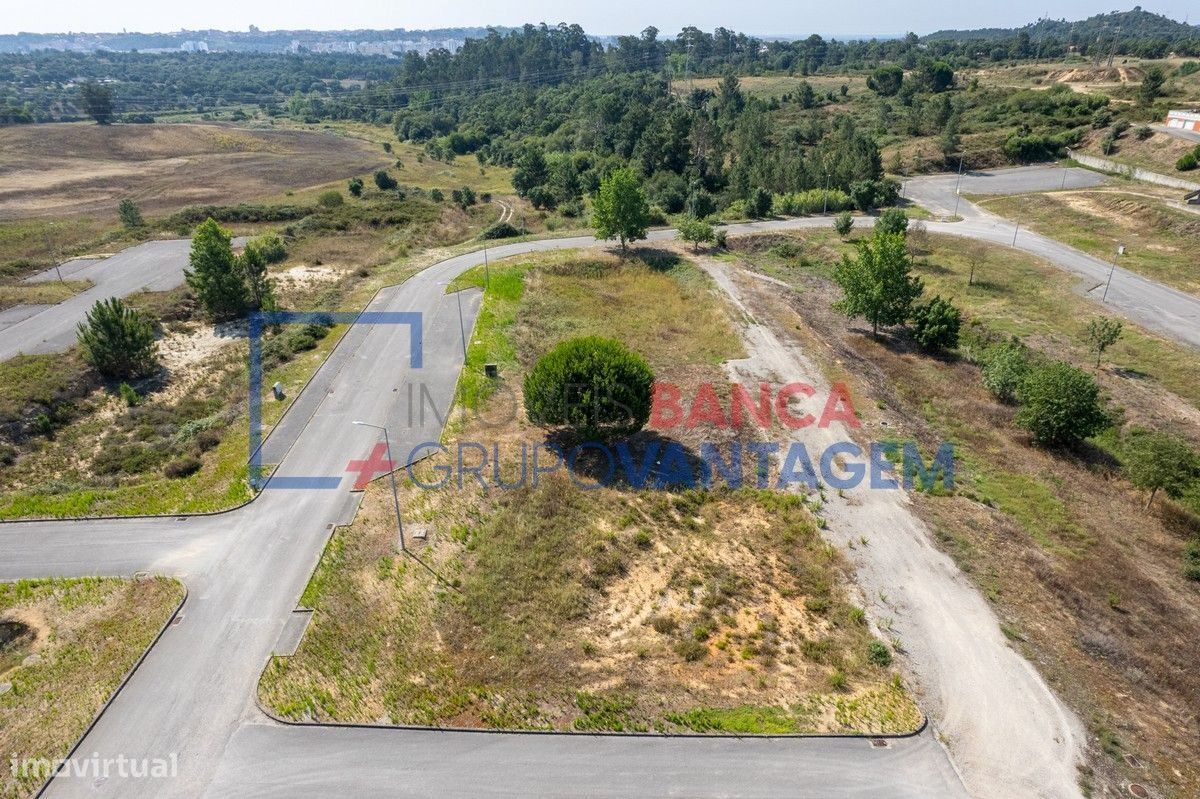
(877, 284)
(117, 340)
(1153, 460)
(696, 231)
(130, 214)
(260, 291)
(843, 223)
(620, 208)
(97, 101)
(1100, 334)
(886, 80)
(892, 220)
(529, 171)
(935, 76)
(356, 187)
(215, 274)
(1152, 84)
(936, 324)
(1060, 405)
(594, 386)
(759, 203)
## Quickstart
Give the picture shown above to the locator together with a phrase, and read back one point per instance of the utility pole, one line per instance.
(53, 255)
(1015, 232)
(958, 183)
(487, 272)
(392, 471)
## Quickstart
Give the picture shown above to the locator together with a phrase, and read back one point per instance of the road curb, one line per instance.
(120, 687)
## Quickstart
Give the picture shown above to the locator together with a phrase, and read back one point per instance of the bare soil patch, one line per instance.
(63, 170)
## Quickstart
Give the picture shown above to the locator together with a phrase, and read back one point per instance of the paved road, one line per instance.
(1179, 133)
(245, 570)
(154, 266)
(1139, 299)
(193, 695)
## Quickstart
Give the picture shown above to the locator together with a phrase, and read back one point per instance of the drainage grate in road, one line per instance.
(1138, 791)
(879, 743)
(175, 621)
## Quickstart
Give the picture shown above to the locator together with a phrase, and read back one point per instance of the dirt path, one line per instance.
(1007, 733)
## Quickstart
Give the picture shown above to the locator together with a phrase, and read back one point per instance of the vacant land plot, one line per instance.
(62, 170)
(1087, 581)
(1160, 242)
(65, 645)
(607, 608)
(1156, 154)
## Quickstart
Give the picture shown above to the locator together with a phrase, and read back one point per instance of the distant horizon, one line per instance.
(614, 18)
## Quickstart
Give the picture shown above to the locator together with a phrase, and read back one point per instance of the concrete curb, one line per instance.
(117, 691)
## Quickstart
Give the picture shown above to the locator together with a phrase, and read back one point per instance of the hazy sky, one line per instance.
(599, 16)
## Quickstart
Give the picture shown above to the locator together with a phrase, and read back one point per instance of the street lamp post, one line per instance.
(392, 472)
(958, 183)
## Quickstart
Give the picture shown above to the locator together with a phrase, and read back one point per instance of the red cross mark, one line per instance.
(377, 463)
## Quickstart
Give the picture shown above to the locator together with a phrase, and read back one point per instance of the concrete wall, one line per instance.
(1137, 173)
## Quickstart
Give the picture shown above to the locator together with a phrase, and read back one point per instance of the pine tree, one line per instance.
(117, 341)
(215, 274)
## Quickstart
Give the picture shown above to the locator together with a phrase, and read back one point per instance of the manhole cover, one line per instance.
(1138, 791)
(879, 743)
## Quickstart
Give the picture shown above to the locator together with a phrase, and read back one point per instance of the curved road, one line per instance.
(194, 694)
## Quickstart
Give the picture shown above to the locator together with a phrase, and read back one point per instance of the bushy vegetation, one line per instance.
(117, 340)
(877, 285)
(593, 386)
(1060, 405)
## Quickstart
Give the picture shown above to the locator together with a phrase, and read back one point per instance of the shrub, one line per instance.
(664, 624)
(1005, 369)
(696, 231)
(436, 195)
(936, 324)
(721, 238)
(893, 220)
(691, 650)
(356, 187)
(1144, 132)
(879, 654)
(1060, 405)
(843, 223)
(500, 230)
(329, 199)
(270, 246)
(1187, 162)
(593, 386)
(129, 394)
(117, 341)
(1191, 560)
(182, 467)
(384, 181)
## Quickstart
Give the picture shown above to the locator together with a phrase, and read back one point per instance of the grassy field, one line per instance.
(1086, 581)
(163, 167)
(75, 641)
(1160, 241)
(589, 609)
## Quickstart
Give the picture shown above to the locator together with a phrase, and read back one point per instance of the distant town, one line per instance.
(389, 43)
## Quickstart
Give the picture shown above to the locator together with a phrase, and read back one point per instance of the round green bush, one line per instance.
(1060, 405)
(595, 387)
(936, 324)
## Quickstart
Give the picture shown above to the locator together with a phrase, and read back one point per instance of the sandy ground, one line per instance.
(1007, 732)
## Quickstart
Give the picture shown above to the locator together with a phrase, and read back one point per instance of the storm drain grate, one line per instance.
(879, 743)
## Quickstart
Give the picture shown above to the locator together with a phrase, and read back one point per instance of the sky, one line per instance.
(778, 17)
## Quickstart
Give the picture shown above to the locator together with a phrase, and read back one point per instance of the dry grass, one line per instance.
(1157, 153)
(1087, 583)
(74, 170)
(606, 608)
(1160, 241)
(86, 635)
(41, 293)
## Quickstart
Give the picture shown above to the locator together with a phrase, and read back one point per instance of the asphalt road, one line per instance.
(154, 266)
(1179, 133)
(193, 696)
